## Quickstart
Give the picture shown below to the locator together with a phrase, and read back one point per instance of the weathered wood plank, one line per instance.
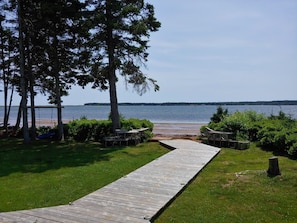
(108, 209)
(136, 197)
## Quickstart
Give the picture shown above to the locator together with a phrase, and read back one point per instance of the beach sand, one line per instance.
(171, 130)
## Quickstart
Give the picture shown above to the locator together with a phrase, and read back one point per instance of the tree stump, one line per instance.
(273, 169)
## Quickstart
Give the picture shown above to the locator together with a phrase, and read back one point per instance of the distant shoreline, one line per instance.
(283, 102)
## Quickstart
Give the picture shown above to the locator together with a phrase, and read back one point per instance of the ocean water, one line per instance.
(154, 113)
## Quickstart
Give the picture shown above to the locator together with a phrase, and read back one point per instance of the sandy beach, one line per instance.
(160, 129)
(177, 129)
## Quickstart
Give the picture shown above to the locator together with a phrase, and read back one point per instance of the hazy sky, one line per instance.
(216, 50)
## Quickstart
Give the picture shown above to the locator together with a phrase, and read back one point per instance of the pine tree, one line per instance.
(120, 37)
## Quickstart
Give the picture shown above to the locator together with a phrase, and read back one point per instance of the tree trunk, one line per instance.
(5, 82)
(19, 116)
(23, 79)
(10, 102)
(273, 169)
(32, 96)
(58, 90)
(33, 114)
(115, 117)
(59, 109)
(5, 86)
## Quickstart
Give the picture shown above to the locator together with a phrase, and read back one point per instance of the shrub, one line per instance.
(279, 134)
(293, 149)
(83, 129)
(220, 115)
(275, 133)
(241, 123)
(132, 123)
(137, 124)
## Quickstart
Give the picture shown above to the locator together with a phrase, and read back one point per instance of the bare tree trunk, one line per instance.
(58, 91)
(19, 116)
(273, 169)
(33, 115)
(31, 82)
(115, 117)
(32, 98)
(5, 82)
(59, 110)
(9, 105)
(23, 79)
(10, 102)
(5, 86)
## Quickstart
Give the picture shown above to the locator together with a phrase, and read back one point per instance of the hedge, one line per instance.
(275, 133)
(84, 129)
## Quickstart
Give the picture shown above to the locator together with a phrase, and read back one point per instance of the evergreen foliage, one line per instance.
(65, 42)
(120, 32)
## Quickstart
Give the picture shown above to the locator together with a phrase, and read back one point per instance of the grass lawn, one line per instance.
(49, 173)
(234, 187)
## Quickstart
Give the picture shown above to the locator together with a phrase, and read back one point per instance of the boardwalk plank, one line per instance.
(123, 211)
(92, 215)
(136, 197)
(65, 214)
(17, 216)
(142, 189)
(128, 201)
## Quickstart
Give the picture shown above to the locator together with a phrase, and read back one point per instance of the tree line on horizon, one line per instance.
(47, 46)
(283, 102)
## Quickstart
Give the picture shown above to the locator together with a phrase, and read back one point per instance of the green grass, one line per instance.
(49, 173)
(234, 187)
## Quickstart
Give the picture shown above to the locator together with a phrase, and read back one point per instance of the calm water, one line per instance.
(156, 114)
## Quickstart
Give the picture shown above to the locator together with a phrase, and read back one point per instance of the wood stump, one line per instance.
(273, 169)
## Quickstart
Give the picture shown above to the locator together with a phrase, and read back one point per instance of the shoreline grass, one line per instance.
(49, 173)
(235, 187)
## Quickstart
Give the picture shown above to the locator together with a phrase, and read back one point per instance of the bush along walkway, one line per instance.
(137, 197)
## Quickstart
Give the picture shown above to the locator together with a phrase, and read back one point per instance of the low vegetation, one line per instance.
(84, 130)
(234, 187)
(274, 133)
(52, 173)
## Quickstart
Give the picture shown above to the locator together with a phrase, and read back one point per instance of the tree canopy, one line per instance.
(119, 38)
(66, 42)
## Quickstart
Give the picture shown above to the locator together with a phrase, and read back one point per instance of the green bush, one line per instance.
(133, 123)
(277, 133)
(219, 115)
(243, 124)
(293, 150)
(83, 129)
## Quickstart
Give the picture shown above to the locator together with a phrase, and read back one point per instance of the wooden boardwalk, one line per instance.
(137, 197)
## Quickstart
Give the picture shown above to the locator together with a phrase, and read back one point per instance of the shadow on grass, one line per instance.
(41, 156)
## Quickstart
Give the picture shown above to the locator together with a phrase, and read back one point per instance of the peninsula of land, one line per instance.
(282, 102)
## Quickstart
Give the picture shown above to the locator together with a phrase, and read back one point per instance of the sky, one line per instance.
(215, 51)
